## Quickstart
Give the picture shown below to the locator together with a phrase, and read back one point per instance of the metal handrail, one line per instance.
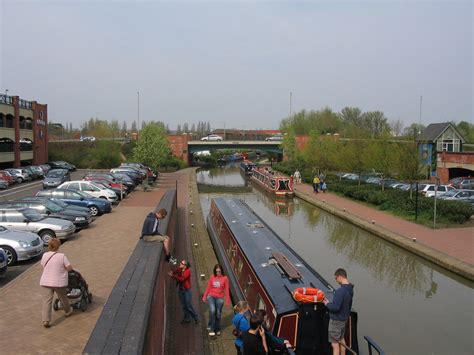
(373, 345)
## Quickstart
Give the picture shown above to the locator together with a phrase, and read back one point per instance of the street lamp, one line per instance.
(138, 113)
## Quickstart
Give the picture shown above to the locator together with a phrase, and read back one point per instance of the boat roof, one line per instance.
(270, 173)
(258, 242)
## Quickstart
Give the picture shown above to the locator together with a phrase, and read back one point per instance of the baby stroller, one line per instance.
(77, 292)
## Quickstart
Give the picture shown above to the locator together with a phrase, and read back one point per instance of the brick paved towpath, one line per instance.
(452, 248)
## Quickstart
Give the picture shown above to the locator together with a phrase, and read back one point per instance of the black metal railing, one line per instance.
(26, 104)
(4, 99)
(373, 346)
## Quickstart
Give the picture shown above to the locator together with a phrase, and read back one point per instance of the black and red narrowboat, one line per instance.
(247, 166)
(265, 271)
(273, 182)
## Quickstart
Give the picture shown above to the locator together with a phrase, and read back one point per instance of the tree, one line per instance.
(380, 156)
(153, 148)
(134, 126)
(185, 128)
(178, 129)
(351, 155)
(124, 130)
(193, 128)
(289, 145)
(467, 130)
(413, 131)
(407, 162)
(397, 127)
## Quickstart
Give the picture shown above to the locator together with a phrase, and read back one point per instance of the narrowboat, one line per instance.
(265, 271)
(273, 182)
(247, 166)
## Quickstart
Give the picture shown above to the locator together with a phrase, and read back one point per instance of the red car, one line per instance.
(5, 175)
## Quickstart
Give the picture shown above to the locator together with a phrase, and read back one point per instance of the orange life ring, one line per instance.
(308, 295)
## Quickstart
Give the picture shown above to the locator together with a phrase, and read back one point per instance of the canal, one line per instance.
(406, 304)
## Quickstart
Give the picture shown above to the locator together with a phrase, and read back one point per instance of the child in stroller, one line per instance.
(77, 292)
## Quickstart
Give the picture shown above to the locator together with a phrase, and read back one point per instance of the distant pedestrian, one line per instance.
(316, 182)
(297, 177)
(240, 323)
(183, 277)
(324, 187)
(216, 295)
(150, 232)
(322, 178)
(339, 312)
(54, 280)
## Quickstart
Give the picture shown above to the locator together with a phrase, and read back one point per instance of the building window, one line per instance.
(2, 120)
(9, 121)
(6, 145)
(29, 123)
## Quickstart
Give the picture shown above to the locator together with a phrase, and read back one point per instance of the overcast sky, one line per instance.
(236, 62)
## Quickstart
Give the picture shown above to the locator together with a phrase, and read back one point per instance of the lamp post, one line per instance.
(138, 113)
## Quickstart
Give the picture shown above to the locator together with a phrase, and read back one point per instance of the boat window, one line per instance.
(238, 269)
(273, 183)
(229, 249)
(283, 185)
(248, 286)
(260, 303)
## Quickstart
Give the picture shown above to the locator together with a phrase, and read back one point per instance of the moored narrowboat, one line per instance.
(273, 182)
(247, 166)
(265, 271)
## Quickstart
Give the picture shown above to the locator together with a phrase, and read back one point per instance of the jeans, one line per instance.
(185, 299)
(215, 312)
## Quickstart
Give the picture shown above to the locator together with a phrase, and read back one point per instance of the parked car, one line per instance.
(97, 206)
(3, 185)
(212, 137)
(3, 262)
(90, 188)
(276, 137)
(87, 139)
(119, 192)
(6, 176)
(111, 184)
(112, 178)
(464, 184)
(45, 168)
(37, 170)
(56, 177)
(441, 190)
(19, 175)
(29, 220)
(32, 173)
(62, 165)
(137, 178)
(124, 179)
(19, 245)
(50, 209)
(60, 203)
(457, 195)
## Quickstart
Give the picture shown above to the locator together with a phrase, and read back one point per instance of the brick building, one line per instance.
(23, 132)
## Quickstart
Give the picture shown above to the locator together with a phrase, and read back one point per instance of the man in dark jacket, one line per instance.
(150, 232)
(339, 311)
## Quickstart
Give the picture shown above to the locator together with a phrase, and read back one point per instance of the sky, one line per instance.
(234, 63)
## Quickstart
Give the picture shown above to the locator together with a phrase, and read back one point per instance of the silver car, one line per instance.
(29, 220)
(19, 245)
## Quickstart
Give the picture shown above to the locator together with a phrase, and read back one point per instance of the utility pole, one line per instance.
(138, 113)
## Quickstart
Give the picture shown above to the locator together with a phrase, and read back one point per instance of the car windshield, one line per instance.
(32, 215)
(60, 203)
(53, 206)
(451, 193)
(55, 174)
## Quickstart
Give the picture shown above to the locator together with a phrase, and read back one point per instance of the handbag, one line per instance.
(236, 331)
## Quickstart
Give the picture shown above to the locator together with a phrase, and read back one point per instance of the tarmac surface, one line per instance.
(101, 251)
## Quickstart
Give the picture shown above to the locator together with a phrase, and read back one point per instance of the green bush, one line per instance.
(87, 155)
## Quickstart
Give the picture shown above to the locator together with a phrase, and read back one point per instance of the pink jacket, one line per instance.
(218, 287)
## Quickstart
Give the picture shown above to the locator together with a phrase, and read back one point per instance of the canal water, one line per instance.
(406, 304)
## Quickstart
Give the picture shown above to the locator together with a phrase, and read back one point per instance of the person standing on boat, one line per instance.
(339, 311)
(183, 276)
(240, 323)
(316, 182)
(216, 294)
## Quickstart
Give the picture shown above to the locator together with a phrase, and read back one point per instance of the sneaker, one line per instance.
(211, 333)
(218, 333)
(208, 329)
(46, 324)
(67, 314)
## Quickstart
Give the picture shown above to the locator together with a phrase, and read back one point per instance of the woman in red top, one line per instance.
(183, 276)
(216, 294)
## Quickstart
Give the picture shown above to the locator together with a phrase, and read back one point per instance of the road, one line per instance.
(19, 191)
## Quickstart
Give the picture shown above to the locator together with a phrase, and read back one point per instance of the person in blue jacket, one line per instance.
(240, 323)
(339, 311)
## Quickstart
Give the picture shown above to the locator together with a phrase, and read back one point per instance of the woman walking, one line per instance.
(183, 276)
(216, 294)
(240, 323)
(54, 280)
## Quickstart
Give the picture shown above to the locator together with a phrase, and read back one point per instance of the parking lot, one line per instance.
(24, 190)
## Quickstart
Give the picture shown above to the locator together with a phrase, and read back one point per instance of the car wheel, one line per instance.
(94, 211)
(46, 235)
(83, 303)
(11, 254)
(219, 140)
(19, 180)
